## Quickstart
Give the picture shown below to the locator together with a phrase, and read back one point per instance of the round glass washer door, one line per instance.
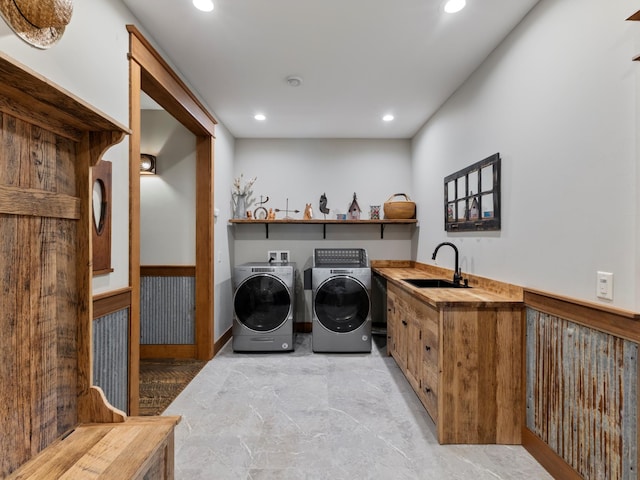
(262, 303)
(341, 304)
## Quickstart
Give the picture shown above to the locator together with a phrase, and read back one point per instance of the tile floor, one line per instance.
(302, 415)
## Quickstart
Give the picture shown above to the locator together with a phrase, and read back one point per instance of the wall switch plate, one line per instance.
(604, 287)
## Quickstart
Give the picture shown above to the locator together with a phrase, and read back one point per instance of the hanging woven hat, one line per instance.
(40, 23)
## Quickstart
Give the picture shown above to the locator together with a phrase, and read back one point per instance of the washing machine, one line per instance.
(341, 298)
(264, 307)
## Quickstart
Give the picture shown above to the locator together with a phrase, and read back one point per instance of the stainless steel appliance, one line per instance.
(264, 307)
(341, 297)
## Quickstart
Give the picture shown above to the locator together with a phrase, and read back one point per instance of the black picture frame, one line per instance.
(472, 197)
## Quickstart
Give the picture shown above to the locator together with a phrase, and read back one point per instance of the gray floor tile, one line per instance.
(302, 415)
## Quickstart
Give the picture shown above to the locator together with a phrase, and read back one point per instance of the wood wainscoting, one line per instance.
(581, 381)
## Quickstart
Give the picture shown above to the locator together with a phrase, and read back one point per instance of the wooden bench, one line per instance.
(139, 447)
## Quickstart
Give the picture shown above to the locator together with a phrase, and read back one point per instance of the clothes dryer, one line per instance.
(341, 297)
(264, 307)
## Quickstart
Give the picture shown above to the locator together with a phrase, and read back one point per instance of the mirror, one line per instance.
(99, 206)
(101, 202)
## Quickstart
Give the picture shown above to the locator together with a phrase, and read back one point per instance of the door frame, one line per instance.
(150, 73)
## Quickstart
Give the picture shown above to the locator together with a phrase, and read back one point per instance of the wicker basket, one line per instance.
(399, 210)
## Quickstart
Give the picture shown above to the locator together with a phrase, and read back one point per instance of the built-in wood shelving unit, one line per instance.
(324, 223)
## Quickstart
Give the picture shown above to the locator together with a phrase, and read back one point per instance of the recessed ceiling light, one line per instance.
(260, 116)
(388, 117)
(204, 5)
(453, 6)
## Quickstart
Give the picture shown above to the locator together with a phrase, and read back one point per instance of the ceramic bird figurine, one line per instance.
(323, 205)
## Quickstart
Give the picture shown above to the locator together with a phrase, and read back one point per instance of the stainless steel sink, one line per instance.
(433, 283)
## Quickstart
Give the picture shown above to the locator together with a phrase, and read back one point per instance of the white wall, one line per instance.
(301, 170)
(224, 152)
(168, 199)
(557, 100)
(90, 61)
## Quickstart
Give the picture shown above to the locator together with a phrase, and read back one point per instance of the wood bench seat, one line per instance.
(138, 448)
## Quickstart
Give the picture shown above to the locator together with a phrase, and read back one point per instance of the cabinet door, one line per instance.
(398, 326)
(429, 366)
(413, 337)
(392, 323)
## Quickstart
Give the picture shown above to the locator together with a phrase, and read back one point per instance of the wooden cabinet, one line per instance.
(405, 328)
(464, 364)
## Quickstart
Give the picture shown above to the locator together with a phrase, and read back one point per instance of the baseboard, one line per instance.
(167, 351)
(549, 459)
(222, 341)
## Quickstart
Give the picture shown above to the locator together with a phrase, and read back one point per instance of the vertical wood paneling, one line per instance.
(38, 300)
(66, 293)
(582, 396)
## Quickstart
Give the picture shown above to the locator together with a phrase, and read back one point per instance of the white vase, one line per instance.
(240, 206)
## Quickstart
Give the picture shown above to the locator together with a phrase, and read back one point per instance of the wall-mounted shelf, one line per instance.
(324, 223)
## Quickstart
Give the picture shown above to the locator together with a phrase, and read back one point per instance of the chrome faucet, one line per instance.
(457, 273)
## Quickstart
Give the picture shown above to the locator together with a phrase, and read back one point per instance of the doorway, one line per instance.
(149, 73)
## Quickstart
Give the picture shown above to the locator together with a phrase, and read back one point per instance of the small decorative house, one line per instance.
(354, 209)
(474, 211)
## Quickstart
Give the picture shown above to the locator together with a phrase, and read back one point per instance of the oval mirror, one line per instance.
(99, 205)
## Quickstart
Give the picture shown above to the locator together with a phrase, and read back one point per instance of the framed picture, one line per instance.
(472, 197)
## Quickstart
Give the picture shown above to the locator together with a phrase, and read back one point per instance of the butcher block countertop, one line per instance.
(485, 292)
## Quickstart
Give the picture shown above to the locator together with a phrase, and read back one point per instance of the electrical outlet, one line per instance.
(280, 256)
(604, 287)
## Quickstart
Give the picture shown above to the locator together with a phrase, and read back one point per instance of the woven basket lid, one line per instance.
(40, 23)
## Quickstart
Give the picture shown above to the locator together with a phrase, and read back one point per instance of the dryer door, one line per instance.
(341, 304)
(262, 303)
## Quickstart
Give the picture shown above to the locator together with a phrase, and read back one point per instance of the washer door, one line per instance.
(341, 304)
(262, 303)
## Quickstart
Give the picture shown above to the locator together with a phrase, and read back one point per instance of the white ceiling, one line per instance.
(358, 59)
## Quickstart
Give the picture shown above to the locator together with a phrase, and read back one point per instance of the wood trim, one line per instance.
(151, 74)
(392, 264)
(635, 16)
(222, 341)
(38, 203)
(111, 302)
(167, 88)
(167, 271)
(167, 351)
(84, 275)
(37, 100)
(205, 248)
(551, 461)
(134, 237)
(101, 172)
(618, 322)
